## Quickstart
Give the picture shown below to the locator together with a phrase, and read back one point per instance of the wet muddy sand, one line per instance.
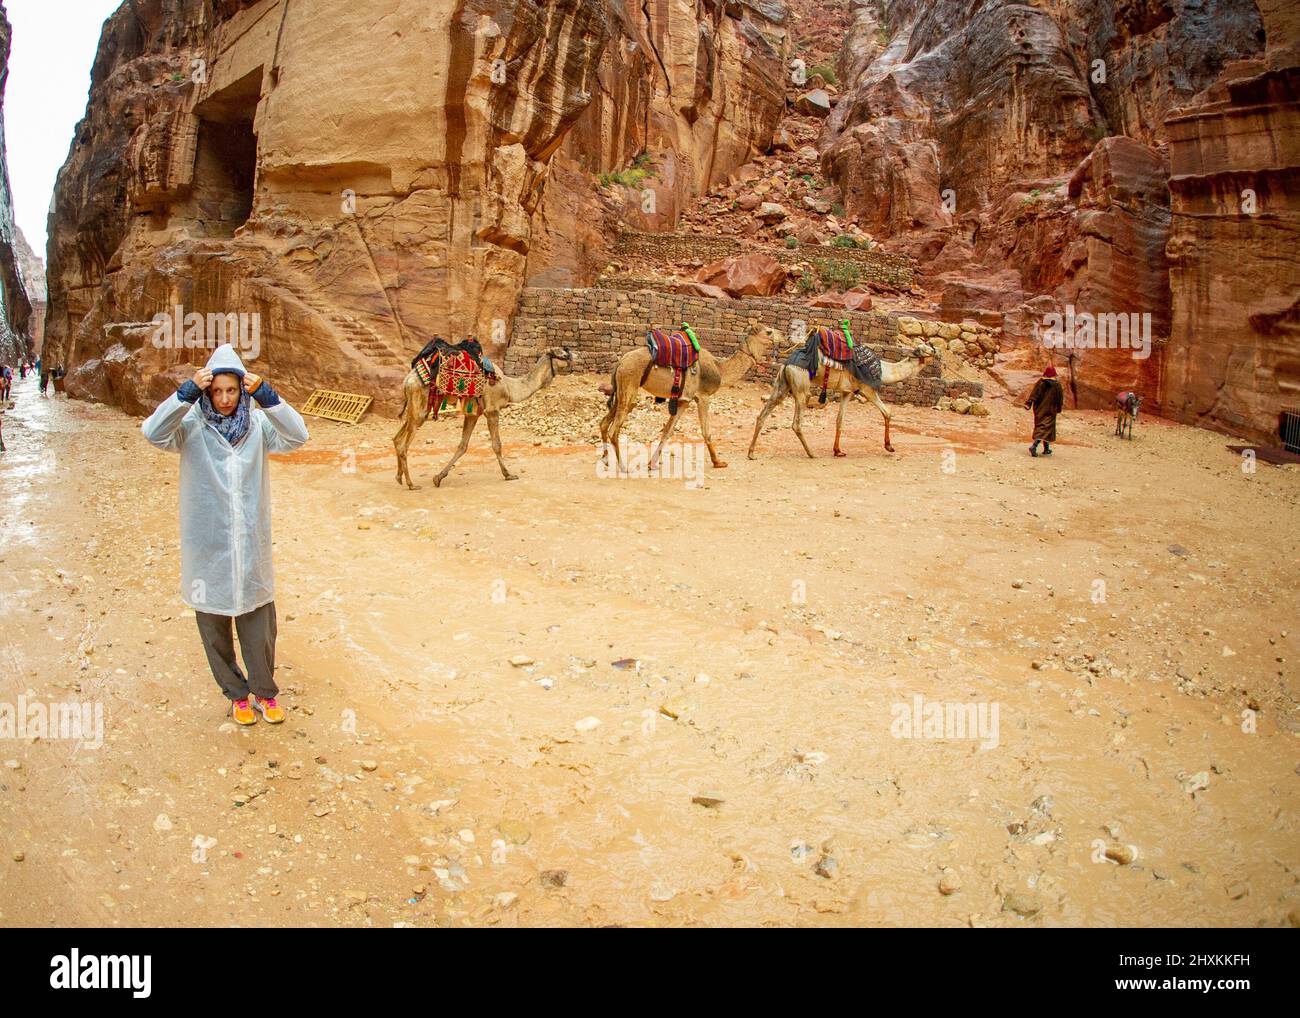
(573, 699)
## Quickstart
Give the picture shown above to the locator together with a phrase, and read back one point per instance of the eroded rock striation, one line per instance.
(1046, 157)
(15, 306)
(363, 176)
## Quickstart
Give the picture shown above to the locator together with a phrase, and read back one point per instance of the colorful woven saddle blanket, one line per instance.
(455, 375)
(834, 344)
(671, 349)
(862, 362)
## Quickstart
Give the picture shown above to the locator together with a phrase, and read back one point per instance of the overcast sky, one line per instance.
(53, 46)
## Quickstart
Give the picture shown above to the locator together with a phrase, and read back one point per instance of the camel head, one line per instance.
(558, 355)
(924, 352)
(760, 339)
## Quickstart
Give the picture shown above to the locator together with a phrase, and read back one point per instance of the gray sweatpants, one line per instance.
(257, 642)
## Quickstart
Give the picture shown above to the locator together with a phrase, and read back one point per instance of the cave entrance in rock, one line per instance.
(225, 159)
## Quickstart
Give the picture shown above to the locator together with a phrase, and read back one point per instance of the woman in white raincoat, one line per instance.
(225, 512)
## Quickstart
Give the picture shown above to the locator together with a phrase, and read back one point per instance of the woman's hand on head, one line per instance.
(202, 378)
(251, 382)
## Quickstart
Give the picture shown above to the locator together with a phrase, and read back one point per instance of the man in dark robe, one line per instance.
(1045, 401)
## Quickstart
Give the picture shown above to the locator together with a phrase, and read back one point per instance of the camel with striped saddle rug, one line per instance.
(808, 362)
(655, 367)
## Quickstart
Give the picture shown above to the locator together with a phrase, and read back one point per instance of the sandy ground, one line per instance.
(1123, 607)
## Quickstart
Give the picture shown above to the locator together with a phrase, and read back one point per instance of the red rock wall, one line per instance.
(392, 160)
(1234, 357)
(15, 306)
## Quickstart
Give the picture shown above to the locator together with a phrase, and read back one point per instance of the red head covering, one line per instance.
(1050, 372)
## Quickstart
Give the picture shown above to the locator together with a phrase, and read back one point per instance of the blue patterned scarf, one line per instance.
(232, 428)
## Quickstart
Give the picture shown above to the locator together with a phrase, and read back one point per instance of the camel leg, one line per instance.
(798, 427)
(605, 422)
(494, 433)
(779, 390)
(839, 424)
(702, 406)
(884, 412)
(622, 408)
(401, 442)
(413, 415)
(663, 437)
(466, 430)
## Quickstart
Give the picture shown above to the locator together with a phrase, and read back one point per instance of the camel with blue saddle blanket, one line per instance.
(673, 366)
(858, 374)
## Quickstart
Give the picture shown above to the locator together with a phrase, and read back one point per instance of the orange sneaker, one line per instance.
(271, 710)
(242, 712)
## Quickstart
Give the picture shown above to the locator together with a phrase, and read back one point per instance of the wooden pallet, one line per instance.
(346, 407)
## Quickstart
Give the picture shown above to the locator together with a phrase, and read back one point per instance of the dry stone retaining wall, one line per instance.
(671, 248)
(598, 325)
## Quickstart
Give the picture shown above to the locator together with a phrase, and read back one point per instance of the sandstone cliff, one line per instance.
(1233, 360)
(363, 176)
(1023, 151)
(15, 308)
(31, 270)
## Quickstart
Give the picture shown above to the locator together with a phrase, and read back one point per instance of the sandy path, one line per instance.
(780, 612)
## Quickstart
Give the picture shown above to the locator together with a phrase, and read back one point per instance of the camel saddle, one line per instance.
(677, 351)
(454, 375)
(837, 345)
(671, 349)
(834, 344)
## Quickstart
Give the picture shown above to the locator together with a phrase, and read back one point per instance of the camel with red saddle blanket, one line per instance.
(481, 396)
(674, 367)
(833, 376)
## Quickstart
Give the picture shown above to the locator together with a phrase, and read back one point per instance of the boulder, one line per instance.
(781, 140)
(693, 289)
(807, 233)
(858, 299)
(770, 212)
(750, 275)
(814, 103)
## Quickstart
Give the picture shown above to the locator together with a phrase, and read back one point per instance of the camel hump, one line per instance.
(671, 349)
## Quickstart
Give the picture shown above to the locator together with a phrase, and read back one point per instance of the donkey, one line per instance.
(1126, 413)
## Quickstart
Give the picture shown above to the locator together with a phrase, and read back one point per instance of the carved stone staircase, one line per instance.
(371, 347)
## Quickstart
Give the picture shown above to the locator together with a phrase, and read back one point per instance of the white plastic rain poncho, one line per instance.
(225, 496)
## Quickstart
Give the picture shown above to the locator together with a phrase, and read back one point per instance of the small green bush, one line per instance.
(792, 242)
(844, 240)
(641, 168)
(827, 73)
(839, 275)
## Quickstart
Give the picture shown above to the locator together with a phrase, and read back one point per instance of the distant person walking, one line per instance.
(6, 382)
(225, 512)
(1046, 402)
